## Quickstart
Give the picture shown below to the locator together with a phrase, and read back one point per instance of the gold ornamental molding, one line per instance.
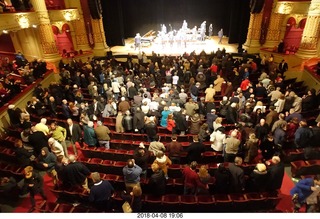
(289, 7)
(18, 21)
(64, 15)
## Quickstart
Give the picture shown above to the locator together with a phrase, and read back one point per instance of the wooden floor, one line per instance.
(209, 45)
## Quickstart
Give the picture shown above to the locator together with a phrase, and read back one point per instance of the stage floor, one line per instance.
(209, 45)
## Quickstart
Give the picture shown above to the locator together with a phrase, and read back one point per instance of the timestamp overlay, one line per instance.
(159, 215)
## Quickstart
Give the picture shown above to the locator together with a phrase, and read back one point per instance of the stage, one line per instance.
(208, 45)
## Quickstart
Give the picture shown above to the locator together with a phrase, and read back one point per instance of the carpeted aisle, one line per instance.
(25, 204)
(285, 204)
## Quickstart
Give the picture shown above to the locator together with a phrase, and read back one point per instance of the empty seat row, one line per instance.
(301, 167)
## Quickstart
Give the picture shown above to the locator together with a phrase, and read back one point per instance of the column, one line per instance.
(310, 36)
(274, 30)
(48, 44)
(100, 46)
(79, 29)
(252, 44)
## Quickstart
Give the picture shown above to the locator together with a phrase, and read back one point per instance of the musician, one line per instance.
(220, 35)
(137, 41)
(210, 30)
(203, 31)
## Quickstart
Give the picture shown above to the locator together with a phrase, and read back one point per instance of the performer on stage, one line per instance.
(184, 26)
(220, 35)
(210, 30)
(164, 29)
(137, 41)
(203, 31)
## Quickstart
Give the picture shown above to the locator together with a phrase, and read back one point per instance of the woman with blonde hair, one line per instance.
(217, 123)
(251, 148)
(164, 116)
(204, 177)
(259, 105)
(163, 161)
(133, 198)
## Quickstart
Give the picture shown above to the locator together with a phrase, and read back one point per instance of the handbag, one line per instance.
(126, 207)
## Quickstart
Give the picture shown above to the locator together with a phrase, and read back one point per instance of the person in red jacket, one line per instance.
(171, 124)
(191, 180)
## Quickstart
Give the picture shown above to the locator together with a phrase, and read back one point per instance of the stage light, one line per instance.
(5, 31)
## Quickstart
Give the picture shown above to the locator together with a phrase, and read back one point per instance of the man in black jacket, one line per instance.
(151, 128)
(276, 173)
(74, 174)
(138, 120)
(34, 184)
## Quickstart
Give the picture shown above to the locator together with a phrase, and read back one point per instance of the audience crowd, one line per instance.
(242, 106)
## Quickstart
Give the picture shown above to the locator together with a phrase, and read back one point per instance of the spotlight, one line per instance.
(5, 31)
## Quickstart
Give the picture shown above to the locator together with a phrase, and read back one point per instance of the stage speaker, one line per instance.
(95, 9)
(256, 6)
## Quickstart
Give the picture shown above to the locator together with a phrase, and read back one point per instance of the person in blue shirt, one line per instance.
(302, 190)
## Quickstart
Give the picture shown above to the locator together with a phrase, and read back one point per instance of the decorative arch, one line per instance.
(302, 23)
(55, 30)
(293, 36)
(63, 39)
(291, 22)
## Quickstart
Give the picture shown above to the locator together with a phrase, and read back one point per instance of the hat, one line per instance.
(141, 145)
(11, 106)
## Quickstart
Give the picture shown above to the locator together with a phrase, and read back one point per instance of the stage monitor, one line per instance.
(256, 6)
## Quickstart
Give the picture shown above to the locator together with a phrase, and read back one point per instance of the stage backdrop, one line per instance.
(124, 18)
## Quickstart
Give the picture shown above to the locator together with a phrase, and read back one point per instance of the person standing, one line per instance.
(131, 173)
(157, 181)
(137, 41)
(34, 184)
(74, 174)
(59, 133)
(102, 133)
(276, 173)
(74, 134)
(220, 35)
(237, 176)
(191, 179)
(195, 150)
(101, 193)
(89, 135)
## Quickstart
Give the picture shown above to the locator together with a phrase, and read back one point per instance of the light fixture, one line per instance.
(34, 26)
(68, 15)
(23, 21)
(5, 31)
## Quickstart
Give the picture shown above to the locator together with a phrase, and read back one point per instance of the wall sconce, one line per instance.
(34, 26)
(68, 15)
(284, 8)
(23, 21)
(5, 31)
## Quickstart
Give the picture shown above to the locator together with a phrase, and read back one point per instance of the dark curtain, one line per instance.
(124, 18)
